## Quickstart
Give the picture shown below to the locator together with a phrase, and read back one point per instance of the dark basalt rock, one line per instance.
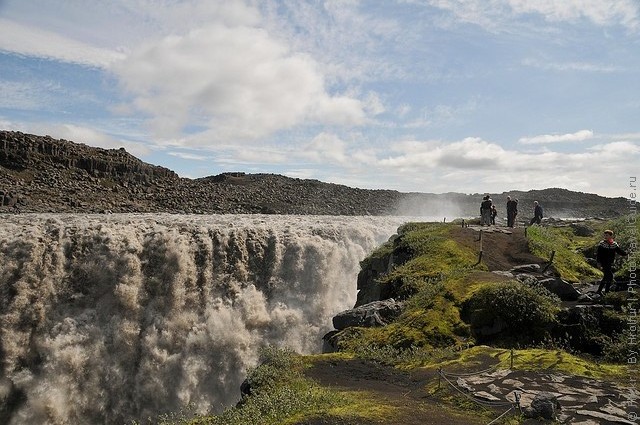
(51, 175)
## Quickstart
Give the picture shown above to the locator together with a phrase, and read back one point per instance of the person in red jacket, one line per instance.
(607, 250)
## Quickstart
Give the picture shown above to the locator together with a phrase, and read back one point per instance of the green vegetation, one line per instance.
(512, 312)
(436, 278)
(280, 395)
(568, 259)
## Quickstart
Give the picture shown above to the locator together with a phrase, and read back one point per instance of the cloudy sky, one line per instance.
(413, 95)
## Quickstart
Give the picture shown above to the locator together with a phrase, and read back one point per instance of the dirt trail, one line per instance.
(403, 390)
(500, 250)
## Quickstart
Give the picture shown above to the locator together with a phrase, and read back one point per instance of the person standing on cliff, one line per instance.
(512, 211)
(485, 211)
(606, 254)
(537, 213)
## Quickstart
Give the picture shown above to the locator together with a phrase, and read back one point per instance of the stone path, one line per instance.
(583, 401)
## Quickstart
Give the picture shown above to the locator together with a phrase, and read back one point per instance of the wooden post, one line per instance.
(480, 254)
(511, 367)
(553, 254)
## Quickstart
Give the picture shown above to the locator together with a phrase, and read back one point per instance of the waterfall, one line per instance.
(111, 318)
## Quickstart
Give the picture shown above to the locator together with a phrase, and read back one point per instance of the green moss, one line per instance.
(434, 253)
(568, 260)
(280, 394)
(534, 359)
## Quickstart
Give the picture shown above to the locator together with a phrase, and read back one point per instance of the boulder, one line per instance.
(377, 313)
(544, 405)
(580, 229)
(526, 268)
(564, 290)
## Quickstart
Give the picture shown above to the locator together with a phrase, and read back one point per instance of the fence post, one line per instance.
(480, 254)
(553, 254)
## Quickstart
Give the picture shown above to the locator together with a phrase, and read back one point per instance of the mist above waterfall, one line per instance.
(109, 318)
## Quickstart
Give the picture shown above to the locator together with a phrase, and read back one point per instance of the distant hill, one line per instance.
(42, 174)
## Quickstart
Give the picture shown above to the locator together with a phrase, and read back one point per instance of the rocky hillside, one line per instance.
(42, 174)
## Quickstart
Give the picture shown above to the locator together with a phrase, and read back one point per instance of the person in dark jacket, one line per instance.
(485, 211)
(512, 211)
(607, 250)
(537, 213)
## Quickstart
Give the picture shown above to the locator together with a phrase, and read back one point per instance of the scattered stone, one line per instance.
(464, 385)
(613, 410)
(526, 268)
(611, 419)
(486, 396)
(545, 405)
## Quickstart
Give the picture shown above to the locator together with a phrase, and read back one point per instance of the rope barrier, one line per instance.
(494, 421)
(485, 403)
(475, 399)
(461, 375)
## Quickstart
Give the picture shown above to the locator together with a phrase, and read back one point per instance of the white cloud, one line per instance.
(614, 149)
(326, 148)
(494, 13)
(473, 165)
(238, 81)
(189, 156)
(21, 39)
(579, 136)
(570, 66)
(604, 13)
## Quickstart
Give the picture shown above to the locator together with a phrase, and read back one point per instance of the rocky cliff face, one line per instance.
(42, 174)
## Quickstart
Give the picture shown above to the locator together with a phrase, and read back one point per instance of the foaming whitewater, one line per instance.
(111, 318)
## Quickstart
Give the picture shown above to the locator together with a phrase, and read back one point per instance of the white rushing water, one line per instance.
(110, 318)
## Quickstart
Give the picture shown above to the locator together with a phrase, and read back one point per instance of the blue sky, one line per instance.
(414, 95)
